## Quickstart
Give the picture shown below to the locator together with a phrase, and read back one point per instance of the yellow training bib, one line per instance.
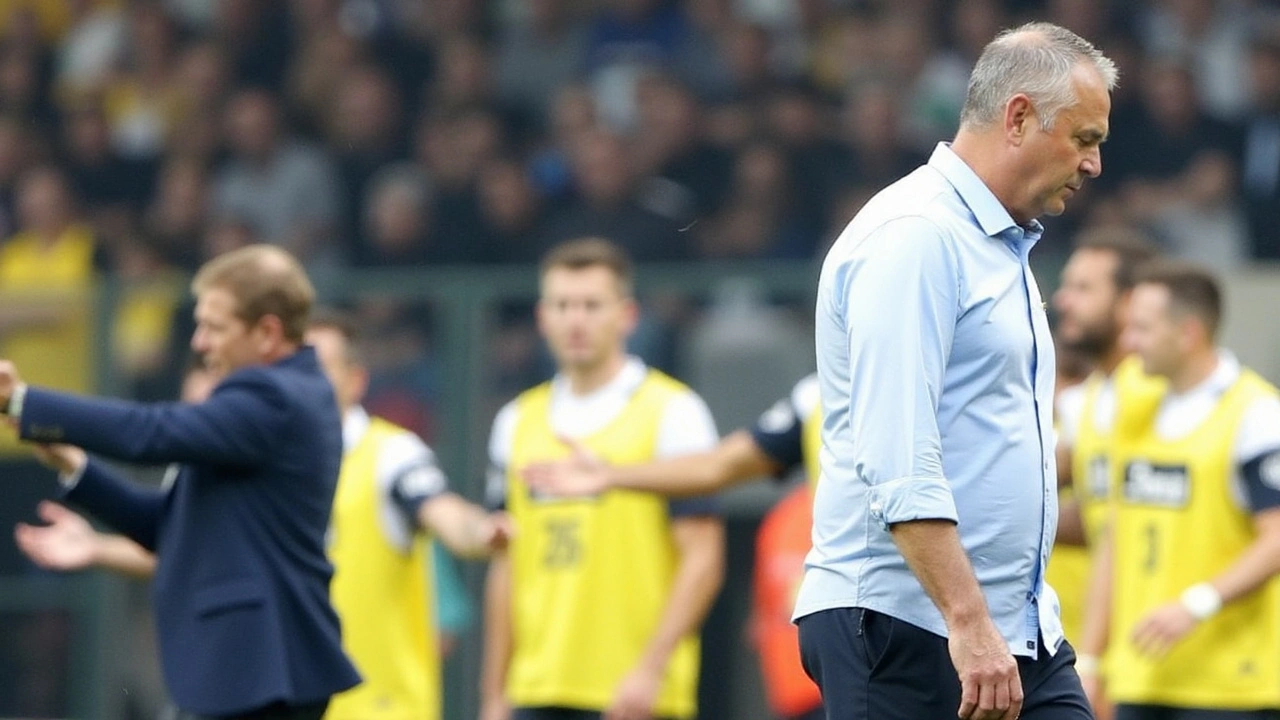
(591, 577)
(1178, 524)
(383, 596)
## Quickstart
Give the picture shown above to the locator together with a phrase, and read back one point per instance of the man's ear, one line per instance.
(1019, 115)
(268, 333)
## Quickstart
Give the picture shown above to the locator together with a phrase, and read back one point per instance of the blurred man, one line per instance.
(241, 588)
(390, 488)
(785, 436)
(1092, 304)
(594, 612)
(1192, 552)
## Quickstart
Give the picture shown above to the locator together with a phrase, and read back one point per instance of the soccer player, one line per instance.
(390, 488)
(594, 610)
(785, 436)
(1092, 304)
(1193, 547)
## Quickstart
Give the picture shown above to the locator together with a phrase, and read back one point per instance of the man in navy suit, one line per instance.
(241, 590)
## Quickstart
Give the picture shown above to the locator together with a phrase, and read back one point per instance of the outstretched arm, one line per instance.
(737, 458)
(69, 543)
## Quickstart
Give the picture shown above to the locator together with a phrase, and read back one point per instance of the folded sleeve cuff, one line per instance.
(912, 498)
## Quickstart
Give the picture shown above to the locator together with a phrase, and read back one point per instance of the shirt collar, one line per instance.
(625, 382)
(354, 424)
(1222, 377)
(991, 216)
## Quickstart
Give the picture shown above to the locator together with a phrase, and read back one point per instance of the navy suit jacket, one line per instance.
(241, 591)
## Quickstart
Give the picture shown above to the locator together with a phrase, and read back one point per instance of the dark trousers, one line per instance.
(871, 666)
(1160, 712)
(553, 713)
(275, 711)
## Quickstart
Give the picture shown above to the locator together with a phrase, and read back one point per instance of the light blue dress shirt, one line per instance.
(936, 371)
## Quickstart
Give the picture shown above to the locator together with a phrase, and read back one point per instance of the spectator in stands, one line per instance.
(286, 189)
(1260, 164)
(46, 273)
(608, 206)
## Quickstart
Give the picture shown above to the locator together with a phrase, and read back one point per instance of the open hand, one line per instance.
(496, 534)
(68, 542)
(582, 473)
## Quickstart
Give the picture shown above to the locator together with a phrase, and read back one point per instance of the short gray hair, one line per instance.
(1037, 60)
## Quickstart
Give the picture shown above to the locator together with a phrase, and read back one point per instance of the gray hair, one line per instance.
(1037, 60)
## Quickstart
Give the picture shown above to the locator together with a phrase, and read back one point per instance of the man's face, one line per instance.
(1153, 332)
(1088, 303)
(225, 341)
(584, 316)
(333, 353)
(1063, 156)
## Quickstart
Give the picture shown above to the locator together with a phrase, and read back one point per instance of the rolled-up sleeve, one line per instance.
(900, 289)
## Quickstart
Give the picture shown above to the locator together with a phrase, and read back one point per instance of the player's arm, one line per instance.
(1096, 634)
(467, 529)
(497, 639)
(498, 634)
(1257, 451)
(735, 459)
(68, 543)
(417, 485)
(699, 541)
(1070, 523)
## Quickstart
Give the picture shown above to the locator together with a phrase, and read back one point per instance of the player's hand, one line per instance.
(66, 459)
(9, 380)
(495, 709)
(1095, 691)
(990, 687)
(582, 473)
(1162, 628)
(636, 695)
(497, 532)
(68, 542)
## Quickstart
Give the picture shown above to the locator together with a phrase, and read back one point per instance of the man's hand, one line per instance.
(66, 459)
(636, 695)
(9, 380)
(1161, 629)
(581, 474)
(496, 532)
(990, 687)
(68, 542)
(495, 709)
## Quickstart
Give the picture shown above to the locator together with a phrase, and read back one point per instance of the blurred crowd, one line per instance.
(140, 137)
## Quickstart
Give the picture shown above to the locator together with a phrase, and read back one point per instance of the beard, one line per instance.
(1096, 342)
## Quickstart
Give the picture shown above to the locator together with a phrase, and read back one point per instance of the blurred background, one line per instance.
(419, 155)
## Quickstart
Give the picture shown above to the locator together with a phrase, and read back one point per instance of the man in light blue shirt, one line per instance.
(937, 503)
